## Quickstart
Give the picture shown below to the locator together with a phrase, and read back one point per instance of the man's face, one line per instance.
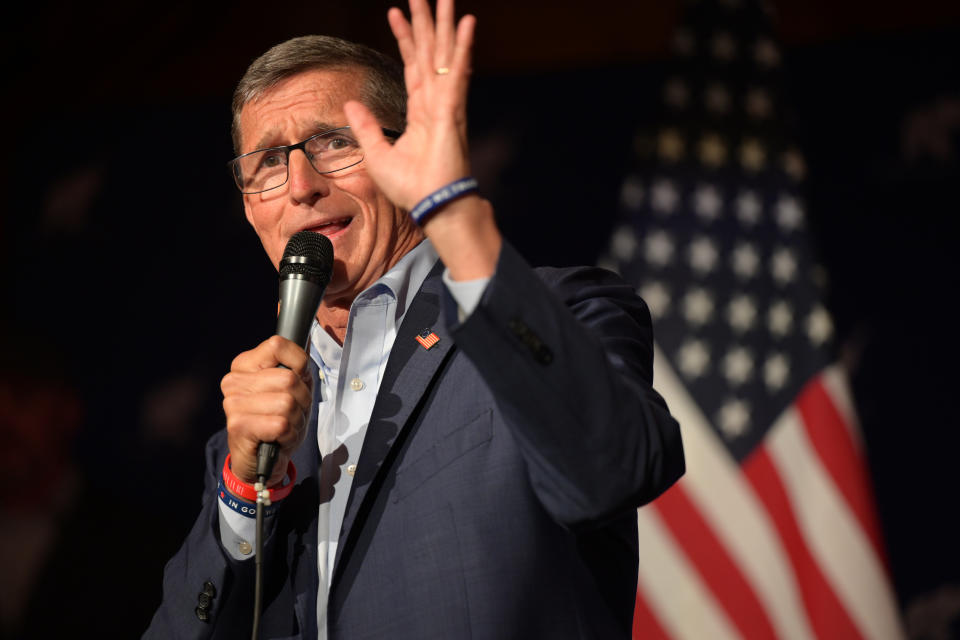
(368, 233)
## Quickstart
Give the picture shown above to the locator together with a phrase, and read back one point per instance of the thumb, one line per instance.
(365, 126)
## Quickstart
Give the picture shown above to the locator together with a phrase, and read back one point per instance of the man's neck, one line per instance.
(333, 318)
(334, 314)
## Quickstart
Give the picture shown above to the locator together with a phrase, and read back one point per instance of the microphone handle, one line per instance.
(267, 454)
(299, 299)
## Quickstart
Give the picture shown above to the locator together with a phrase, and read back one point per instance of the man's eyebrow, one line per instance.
(267, 140)
(319, 127)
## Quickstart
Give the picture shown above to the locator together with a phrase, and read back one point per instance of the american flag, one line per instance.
(427, 339)
(772, 533)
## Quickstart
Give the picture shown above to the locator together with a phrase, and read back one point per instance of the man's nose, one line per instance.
(306, 185)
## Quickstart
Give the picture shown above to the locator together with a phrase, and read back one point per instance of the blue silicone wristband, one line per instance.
(443, 195)
(241, 506)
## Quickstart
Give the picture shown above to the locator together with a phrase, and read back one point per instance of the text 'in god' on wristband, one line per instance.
(241, 506)
(442, 196)
(241, 489)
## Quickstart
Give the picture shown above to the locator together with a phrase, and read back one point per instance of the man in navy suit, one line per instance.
(465, 443)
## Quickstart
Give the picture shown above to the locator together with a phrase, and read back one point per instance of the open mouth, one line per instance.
(333, 228)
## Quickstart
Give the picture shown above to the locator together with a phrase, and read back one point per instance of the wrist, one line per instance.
(466, 238)
(442, 197)
(242, 506)
(248, 492)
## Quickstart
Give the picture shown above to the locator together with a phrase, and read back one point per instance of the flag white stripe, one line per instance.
(833, 534)
(838, 388)
(718, 489)
(672, 587)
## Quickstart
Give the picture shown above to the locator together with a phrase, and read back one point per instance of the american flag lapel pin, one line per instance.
(427, 339)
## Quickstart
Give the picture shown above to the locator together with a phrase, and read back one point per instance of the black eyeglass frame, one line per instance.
(287, 149)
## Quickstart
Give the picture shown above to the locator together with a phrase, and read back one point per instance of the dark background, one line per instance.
(131, 279)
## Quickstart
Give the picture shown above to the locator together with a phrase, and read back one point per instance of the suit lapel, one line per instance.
(410, 370)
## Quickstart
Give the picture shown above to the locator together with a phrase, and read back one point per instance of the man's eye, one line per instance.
(341, 143)
(270, 161)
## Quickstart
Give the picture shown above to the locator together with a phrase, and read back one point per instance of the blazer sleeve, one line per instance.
(568, 354)
(202, 566)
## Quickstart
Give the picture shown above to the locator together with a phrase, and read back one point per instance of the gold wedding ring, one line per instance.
(442, 71)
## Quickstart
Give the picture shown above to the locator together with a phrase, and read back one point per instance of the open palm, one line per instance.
(432, 151)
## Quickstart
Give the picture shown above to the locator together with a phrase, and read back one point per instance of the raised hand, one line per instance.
(432, 152)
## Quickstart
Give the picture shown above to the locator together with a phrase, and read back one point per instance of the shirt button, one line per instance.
(352, 469)
(245, 547)
(356, 384)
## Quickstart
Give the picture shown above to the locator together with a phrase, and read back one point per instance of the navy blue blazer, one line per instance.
(496, 490)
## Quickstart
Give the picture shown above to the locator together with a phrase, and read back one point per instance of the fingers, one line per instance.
(264, 403)
(463, 48)
(404, 35)
(461, 61)
(423, 35)
(426, 46)
(444, 39)
(273, 400)
(270, 353)
(433, 149)
(247, 427)
(369, 134)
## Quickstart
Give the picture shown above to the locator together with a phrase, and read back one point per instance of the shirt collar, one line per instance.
(399, 284)
(405, 278)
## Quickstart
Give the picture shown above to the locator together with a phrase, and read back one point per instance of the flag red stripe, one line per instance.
(429, 341)
(646, 626)
(835, 447)
(828, 617)
(718, 570)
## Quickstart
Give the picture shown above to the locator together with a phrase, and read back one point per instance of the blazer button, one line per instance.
(209, 589)
(204, 601)
(202, 614)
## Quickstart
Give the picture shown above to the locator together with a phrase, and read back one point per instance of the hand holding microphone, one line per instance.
(266, 395)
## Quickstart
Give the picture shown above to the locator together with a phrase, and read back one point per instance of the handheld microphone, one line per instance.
(305, 271)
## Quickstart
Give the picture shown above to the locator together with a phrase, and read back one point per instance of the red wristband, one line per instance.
(241, 489)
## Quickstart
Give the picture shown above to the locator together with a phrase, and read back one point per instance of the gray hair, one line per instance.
(383, 91)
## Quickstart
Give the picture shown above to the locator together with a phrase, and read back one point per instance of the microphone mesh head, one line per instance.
(308, 255)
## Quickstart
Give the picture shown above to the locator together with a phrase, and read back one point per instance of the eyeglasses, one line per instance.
(327, 151)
